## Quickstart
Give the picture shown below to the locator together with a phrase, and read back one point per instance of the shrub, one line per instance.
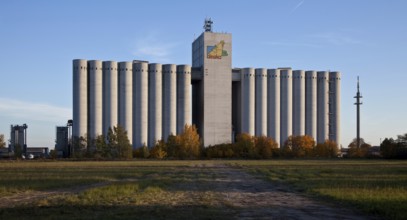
(328, 149)
(185, 145)
(219, 151)
(358, 152)
(141, 152)
(159, 150)
(244, 146)
(266, 147)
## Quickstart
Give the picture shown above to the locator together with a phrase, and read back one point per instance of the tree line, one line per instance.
(187, 145)
(394, 149)
(262, 147)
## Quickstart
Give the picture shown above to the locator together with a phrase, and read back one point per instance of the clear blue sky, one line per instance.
(39, 39)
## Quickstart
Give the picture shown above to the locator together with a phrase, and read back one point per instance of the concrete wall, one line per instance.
(273, 104)
(198, 53)
(126, 98)
(217, 89)
(80, 98)
(248, 101)
(311, 104)
(261, 102)
(298, 103)
(184, 114)
(286, 105)
(140, 104)
(335, 107)
(169, 100)
(154, 104)
(95, 98)
(322, 106)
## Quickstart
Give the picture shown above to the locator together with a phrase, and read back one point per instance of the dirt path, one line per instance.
(255, 198)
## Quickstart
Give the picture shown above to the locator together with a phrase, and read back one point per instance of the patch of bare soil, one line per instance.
(255, 198)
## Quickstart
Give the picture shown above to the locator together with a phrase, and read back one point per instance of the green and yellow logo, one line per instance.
(216, 51)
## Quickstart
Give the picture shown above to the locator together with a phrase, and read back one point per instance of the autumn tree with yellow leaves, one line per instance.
(185, 145)
(328, 149)
(299, 146)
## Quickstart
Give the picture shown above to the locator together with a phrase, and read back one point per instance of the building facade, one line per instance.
(18, 139)
(153, 101)
(62, 141)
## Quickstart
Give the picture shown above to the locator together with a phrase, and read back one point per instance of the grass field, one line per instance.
(141, 189)
(182, 189)
(377, 187)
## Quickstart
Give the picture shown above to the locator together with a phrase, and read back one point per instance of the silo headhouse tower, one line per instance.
(152, 101)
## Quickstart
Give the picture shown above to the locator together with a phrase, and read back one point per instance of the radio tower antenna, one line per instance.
(208, 25)
(358, 104)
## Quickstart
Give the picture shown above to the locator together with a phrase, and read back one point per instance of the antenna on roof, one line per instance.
(208, 25)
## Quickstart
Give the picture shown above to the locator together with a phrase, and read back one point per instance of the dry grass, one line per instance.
(377, 187)
(182, 189)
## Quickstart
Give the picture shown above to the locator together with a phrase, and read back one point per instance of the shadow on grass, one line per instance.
(116, 212)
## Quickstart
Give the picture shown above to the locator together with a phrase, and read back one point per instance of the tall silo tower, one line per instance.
(212, 53)
(80, 98)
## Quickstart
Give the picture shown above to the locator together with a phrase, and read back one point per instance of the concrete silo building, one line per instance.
(153, 101)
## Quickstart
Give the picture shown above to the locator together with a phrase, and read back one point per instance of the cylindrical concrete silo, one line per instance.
(298, 103)
(80, 98)
(311, 104)
(322, 106)
(248, 100)
(126, 98)
(140, 104)
(273, 103)
(110, 95)
(286, 105)
(261, 102)
(184, 116)
(169, 100)
(95, 98)
(154, 104)
(335, 101)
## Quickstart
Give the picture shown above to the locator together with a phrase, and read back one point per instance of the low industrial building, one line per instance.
(18, 139)
(62, 141)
